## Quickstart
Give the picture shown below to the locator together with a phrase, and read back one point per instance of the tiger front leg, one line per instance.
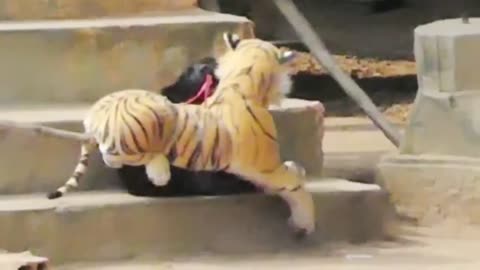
(287, 182)
(158, 170)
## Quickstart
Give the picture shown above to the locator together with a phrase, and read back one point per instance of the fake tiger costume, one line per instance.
(231, 131)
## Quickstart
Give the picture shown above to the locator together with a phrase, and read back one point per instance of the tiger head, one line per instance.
(256, 69)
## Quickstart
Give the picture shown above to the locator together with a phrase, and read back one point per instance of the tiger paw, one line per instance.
(158, 171)
(302, 227)
(302, 218)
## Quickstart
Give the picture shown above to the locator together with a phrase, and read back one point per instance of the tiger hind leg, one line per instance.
(158, 170)
(287, 182)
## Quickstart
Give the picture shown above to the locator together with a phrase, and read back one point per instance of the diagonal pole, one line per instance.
(319, 51)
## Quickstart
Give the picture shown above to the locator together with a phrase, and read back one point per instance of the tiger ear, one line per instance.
(286, 56)
(231, 40)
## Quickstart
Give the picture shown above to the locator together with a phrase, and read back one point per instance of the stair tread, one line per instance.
(44, 112)
(96, 198)
(112, 225)
(167, 17)
(76, 111)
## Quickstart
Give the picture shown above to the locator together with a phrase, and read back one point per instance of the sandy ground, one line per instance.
(398, 106)
(356, 67)
(417, 249)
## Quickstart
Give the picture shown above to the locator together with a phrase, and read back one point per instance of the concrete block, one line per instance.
(433, 189)
(112, 225)
(447, 55)
(434, 177)
(45, 162)
(444, 124)
(20, 10)
(82, 60)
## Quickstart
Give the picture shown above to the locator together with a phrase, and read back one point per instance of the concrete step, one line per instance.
(112, 225)
(81, 60)
(47, 162)
(354, 123)
(81, 9)
(353, 147)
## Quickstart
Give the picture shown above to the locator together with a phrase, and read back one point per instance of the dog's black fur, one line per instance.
(184, 182)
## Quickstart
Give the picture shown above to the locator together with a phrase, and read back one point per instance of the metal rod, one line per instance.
(319, 51)
(6, 125)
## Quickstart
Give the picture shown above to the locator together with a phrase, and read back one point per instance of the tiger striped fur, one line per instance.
(231, 131)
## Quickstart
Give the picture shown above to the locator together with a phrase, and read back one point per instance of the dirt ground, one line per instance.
(417, 249)
(391, 84)
(356, 67)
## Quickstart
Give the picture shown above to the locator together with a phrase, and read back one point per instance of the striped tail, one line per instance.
(79, 171)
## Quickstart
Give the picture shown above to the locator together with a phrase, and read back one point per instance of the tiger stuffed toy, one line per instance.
(232, 131)
(196, 83)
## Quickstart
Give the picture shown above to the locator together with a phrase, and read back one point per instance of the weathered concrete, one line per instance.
(447, 55)
(81, 60)
(418, 249)
(47, 162)
(83, 9)
(433, 189)
(444, 124)
(113, 225)
(434, 177)
(445, 118)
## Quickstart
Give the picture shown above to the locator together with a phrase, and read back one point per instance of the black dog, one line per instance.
(184, 182)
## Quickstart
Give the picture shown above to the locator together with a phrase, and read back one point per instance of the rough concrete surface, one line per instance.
(352, 149)
(17, 10)
(418, 249)
(114, 225)
(447, 55)
(47, 162)
(445, 118)
(81, 60)
(434, 177)
(432, 189)
(444, 124)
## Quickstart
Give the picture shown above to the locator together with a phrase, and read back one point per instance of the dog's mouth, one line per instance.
(205, 91)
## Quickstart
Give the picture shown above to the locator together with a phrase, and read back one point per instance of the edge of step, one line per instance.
(14, 10)
(48, 161)
(111, 225)
(168, 17)
(82, 60)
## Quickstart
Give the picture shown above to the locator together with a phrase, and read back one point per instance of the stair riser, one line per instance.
(47, 162)
(175, 228)
(80, 62)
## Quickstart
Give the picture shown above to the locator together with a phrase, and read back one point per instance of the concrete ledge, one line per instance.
(444, 124)
(113, 225)
(47, 162)
(446, 53)
(433, 188)
(82, 60)
(82, 9)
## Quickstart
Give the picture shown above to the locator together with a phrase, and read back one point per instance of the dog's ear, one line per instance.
(231, 40)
